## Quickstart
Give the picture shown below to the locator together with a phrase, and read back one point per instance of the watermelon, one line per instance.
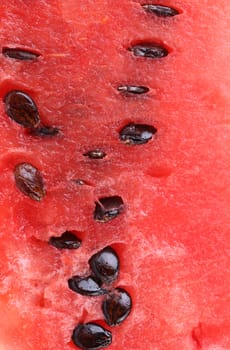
(114, 202)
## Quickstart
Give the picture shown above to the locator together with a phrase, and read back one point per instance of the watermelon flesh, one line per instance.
(173, 236)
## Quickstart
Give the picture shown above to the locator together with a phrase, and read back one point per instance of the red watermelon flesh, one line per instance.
(172, 237)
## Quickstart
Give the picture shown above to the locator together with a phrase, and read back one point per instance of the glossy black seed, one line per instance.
(20, 54)
(95, 154)
(116, 307)
(160, 10)
(105, 265)
(80, 182)
(149, 50)
(44, 131)
(29, 181)
(66, 241)
(91, 336)
(88, 286)
(133, 89)
(137, 134)
(21, 108)
(108, 208)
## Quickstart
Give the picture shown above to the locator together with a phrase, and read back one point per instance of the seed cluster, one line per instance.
(104, 265)
(117, 303)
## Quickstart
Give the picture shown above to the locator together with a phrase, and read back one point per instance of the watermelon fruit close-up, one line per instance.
(115, 175)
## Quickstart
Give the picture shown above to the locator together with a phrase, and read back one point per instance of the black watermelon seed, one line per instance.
(44, 131)
(137, 134)
(21, 108)
(105, 265)
(66, 241)
(133, 89)
(20, 54)
(88, 286)
(80, 182)
(95, 154)
(91, 336)
(160, 10)
(29, 181)
(116, 307)
(108, 208)
(149, 50)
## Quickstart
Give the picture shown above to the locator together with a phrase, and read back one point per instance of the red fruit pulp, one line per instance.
(173, 236)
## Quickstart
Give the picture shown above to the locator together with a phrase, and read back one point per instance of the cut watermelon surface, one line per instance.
(115, 129)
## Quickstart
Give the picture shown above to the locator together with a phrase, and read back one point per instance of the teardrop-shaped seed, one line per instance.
(149, 50)
(160, 10)
(88, 286)
(108, 208)
(116, 306)
(105, 265)
(19, 54)
(95, 154)
(44, 131)
(133, 89)
(66, 241)
(21, 108)
(29, 181)
(137, 134)
(91, 336)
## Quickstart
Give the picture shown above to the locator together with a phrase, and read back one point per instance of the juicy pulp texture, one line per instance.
(173, 236)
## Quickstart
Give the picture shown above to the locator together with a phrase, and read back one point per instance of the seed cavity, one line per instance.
(116, 307)
(44, 131)
(137, 134)
(95, 154)
(20, 54)
(67, 240)
(21, 108)
(105, 265)
(108, 208)
(160, 10)
(29, 181)
(91, 336)
(149, 50)
(88, 286)
(133, 89)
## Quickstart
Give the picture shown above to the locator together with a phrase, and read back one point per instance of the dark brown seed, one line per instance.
(95, 154)
(44, 131)
(137, 134)
(29, 181)
(160, 10)
(116, 307)
(91, 336)
(20, 54)
(66, 241)
(133, 89)
(108, 208)
(88, 286)
(105, 265)
(149, 50)
(21, 108)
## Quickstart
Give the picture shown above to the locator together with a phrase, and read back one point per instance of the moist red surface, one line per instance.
(173, 237)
